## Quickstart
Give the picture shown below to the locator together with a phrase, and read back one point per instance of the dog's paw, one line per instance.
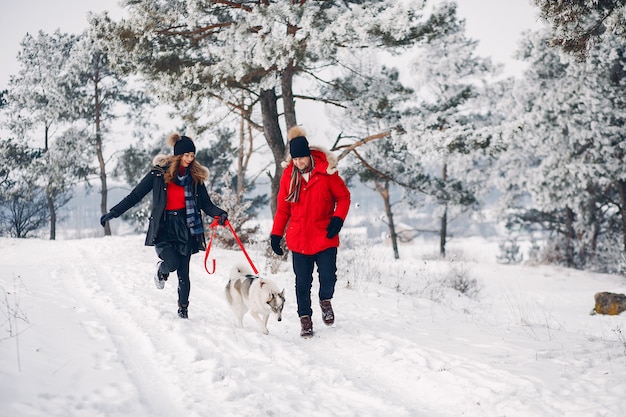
(265, 331)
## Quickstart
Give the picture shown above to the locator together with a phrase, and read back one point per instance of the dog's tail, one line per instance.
(237, 275)
(241, 269)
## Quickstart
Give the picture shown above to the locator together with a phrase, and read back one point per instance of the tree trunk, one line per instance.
(621, 187)
(570, 236)
(101, 163)
(289, 105)
(45, 138)
(383, 190)
(443, 231)
(274, 138)
(240, 156)
(53, 214)
(49, 198)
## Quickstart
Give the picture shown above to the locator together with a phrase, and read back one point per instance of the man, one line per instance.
(312, 204)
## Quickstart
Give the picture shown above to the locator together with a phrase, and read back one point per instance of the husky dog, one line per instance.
(260, 296)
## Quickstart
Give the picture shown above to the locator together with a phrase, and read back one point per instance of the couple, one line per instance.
(313, 202)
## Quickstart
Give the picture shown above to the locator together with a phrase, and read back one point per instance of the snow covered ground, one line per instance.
(85, 333)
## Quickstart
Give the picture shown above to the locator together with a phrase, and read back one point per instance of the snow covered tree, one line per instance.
(571, 147)
(228, 187)
(383, 164)
(40, 107)
(99, 95)
(371, 110)
(23, 205)
(541, 150)
(446, 131)
(37, 100)
(63, 87)
(197, 52)
(578, 25)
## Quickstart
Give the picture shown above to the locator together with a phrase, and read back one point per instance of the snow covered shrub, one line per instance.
(359, 264)
(13, 313)
(430, 279)
(534, 252)
(510, 252)
(551, 253)
(610, 257)
(620, 337)
(239, 213)
(458, 278)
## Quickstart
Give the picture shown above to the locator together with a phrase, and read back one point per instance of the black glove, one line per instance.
(334, 227)
(106, 217)
(222, 219)
(275, 241)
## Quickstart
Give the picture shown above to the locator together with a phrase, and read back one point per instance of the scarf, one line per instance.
(293, 196)
(194, 221)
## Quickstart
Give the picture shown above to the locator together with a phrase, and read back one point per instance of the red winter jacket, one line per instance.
(325, 195)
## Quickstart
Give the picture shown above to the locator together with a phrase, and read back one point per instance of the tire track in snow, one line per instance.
(413, 367)
(100, 290)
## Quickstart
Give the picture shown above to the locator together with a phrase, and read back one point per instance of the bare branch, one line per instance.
(350, 148)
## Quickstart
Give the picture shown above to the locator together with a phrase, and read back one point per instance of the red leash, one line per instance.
(213, 227)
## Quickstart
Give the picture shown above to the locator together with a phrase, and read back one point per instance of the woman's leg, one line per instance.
(303, 268)
(171, 258)
(184, 284)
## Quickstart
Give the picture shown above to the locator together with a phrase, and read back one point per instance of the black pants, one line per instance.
(175, 247)
(327, 270)
(174, 261)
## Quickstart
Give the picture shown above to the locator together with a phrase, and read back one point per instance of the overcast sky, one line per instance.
(496, 24)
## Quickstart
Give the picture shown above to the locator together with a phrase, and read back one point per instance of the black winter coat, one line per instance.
(155, 182)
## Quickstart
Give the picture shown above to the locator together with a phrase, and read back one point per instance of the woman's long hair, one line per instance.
(198, 172)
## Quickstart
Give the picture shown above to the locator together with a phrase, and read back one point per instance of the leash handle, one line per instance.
(213, 226)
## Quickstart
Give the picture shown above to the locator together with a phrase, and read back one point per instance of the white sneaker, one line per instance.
(159, 279)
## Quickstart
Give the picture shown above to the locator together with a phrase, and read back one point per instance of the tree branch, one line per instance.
(350, 148)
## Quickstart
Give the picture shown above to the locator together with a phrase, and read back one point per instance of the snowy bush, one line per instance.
(510, 251)
(13, 314)
(427, 278)
(239, 214)
(458, 277)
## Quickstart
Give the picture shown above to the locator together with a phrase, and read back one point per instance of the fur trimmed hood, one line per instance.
(161, 160)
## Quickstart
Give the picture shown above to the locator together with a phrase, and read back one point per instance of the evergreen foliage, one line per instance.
(195, 53)
(443, 130)
(570, 148)
(579, 25)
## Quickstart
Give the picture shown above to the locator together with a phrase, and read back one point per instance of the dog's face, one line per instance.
(276, 303)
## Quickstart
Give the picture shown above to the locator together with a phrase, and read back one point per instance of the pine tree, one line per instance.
(98, 94)
(40, 108)
(446, 130)
(578, 25)
(570, 148)
(23, 205)
(194, 52)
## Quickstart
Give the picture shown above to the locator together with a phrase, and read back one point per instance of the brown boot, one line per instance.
(307, 326)
(327, 312)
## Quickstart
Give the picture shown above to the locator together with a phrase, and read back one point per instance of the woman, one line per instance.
(176, 229)
(312, 204)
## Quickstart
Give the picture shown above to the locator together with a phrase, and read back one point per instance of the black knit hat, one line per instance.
(184, 145)
(299, 147)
